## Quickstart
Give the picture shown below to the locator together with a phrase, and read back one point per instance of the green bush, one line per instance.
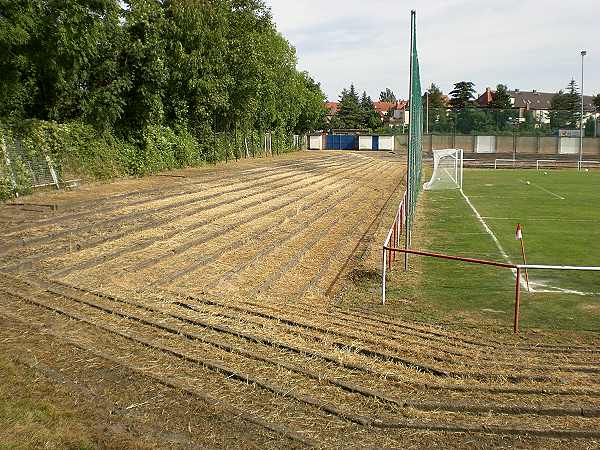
(78, 150)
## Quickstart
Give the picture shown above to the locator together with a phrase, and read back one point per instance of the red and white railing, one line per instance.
(392, 240)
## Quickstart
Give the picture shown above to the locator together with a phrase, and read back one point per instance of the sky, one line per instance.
(525, 44)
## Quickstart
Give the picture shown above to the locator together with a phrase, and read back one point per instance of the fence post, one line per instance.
(517, 301)
(13, 181)
(383, 272)
(52, 172)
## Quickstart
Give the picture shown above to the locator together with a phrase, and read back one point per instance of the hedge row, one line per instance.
(80, 151)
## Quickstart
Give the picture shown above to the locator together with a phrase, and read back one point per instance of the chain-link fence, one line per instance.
(22, 170)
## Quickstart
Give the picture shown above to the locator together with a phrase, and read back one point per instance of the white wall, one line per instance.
(365, 142)
(386, 142)
(315, 142)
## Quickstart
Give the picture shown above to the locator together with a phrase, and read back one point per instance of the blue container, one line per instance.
(375, 142)
(342, 142)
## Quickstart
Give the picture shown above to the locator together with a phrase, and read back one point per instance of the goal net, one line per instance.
(447, 170)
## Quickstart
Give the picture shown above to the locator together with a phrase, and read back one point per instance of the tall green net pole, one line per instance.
(415, 137)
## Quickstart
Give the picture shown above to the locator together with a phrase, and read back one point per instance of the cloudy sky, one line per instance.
(525, 44)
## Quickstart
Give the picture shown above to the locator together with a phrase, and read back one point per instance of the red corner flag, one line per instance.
(519, 233)
(519, 237)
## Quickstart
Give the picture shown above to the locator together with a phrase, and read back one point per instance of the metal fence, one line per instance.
(507, 144)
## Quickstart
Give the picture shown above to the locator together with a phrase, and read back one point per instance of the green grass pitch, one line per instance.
(560, 214)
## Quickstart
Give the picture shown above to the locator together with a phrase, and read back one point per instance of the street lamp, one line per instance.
(583, 53)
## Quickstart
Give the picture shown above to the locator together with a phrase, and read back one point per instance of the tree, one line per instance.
(559, 115)
(350, 113)
(371, 119)
(312, 115)
(573, 104)
(502, 112)
(596, 101)
(463, 95)
(435, 105)
(436, 97)
(126, 66)
(387, 96)
(501, 98)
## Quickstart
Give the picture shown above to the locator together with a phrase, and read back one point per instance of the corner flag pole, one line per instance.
(519, 237)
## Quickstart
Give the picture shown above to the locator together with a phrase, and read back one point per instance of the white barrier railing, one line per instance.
(393, 238)
(501, 160)
(555, 163)
(582, 163)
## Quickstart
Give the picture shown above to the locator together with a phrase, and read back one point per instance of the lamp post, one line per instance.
(583, 53)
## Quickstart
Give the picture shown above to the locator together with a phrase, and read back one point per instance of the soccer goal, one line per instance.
(447, 170)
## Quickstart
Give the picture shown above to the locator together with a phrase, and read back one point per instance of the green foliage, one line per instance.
(463, 95)
(590, 127)
(501, 98)
(350, 113)
(596, 101)
(435, 97)
(387, 96)
(558, 116)
(355, 112)
(118, 75)
(370, 119)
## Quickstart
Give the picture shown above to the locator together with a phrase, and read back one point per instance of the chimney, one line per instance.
(534, 91)
(516, 90)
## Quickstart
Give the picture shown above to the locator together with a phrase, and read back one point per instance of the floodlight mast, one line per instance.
(583, 53)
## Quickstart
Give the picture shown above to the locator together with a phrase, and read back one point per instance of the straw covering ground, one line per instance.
(225, 305)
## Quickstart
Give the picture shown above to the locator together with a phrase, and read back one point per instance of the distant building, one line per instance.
(539, 103)
(332, 109)
(392, 113)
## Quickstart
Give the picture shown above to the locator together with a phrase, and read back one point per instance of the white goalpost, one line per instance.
(447, 170)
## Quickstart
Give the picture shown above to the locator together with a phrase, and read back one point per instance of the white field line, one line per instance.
(542, 287)
(544, 189)
(542, 219)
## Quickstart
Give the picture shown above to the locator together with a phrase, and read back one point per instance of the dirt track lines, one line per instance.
(83, 244)
(260, 233)
(265, 249)
(146, 242)
(168, 192)
(190, 243)
(287, 280)
(306, 342)
(299, 390)
(269, 232)
(275, 259)
(151, 367)
(191, 390)
(460, 339)
(123, 217)
(389, 378)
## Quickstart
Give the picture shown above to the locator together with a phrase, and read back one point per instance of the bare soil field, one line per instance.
(224, 307)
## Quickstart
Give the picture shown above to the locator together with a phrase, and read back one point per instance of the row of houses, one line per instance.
(391, 113)
(538, 103)
(396, 113)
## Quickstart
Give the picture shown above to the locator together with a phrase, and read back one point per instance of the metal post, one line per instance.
(583, 53)
(409, 171)
(517, 300)
(53, 173)
(383, 274)
(13, 181)
(427, 115)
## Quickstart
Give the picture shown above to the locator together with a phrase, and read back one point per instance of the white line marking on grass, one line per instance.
(487, 229)
(544, 189)
(545, 288)
(541, 219)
